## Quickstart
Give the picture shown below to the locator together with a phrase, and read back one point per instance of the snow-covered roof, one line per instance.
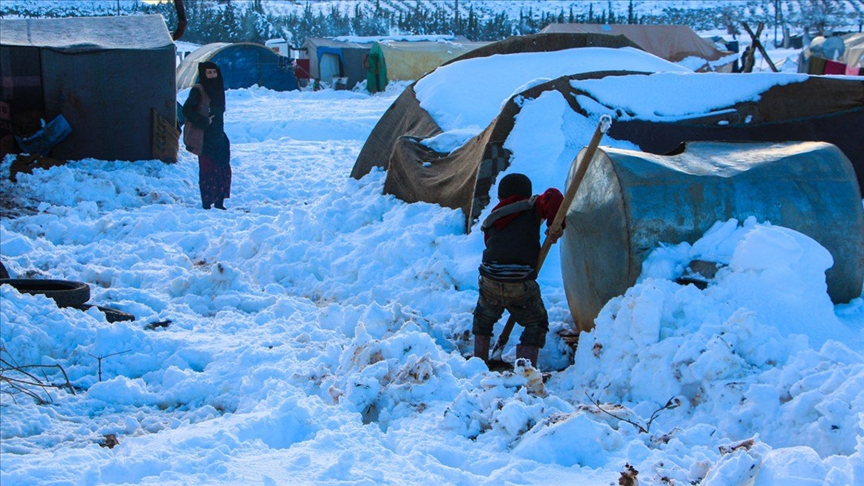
(139, 32)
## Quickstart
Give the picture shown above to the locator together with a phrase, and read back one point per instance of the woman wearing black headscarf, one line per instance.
(204, 135)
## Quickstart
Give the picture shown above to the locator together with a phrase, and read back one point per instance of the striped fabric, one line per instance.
(504, 272)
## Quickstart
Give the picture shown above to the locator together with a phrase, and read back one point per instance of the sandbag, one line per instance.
(629, 202)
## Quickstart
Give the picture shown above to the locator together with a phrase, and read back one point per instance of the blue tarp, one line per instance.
(243, 65)
(41, 142)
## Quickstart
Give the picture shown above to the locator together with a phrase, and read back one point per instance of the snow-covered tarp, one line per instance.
(318, 330)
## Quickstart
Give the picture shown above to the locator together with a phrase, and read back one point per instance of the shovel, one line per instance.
(495, 361)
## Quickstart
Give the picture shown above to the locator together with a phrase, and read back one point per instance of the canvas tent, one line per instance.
(243, 65)
(788, 107)
(462, 179)
(763, 107)
(401, 61)
(834, 55)
(630, 201)
(112, 79)
(675, 43)
(331, 58)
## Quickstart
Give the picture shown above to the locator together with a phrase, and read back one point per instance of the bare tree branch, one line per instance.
(19, 379)
(670, 404)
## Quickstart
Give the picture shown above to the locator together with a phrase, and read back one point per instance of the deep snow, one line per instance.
(318, 330)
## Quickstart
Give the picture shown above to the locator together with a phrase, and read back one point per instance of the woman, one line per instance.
(204, 135)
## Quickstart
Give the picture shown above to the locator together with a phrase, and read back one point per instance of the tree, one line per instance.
(822, 15)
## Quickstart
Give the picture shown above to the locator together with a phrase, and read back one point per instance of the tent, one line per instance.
(675, 43)
(331, 58)
(334, 61)
(243, 65)
(112, 79)
(629, 202)
(807, 177)
(812, 109)
(786, 107)
(401, 61)
(834, 55)
(462, 179)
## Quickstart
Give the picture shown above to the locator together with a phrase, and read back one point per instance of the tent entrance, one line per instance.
(328, 67)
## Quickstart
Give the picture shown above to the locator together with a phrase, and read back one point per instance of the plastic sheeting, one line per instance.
(350, 57)
(629, 202)
(105, 75)
(671, 42)
(243, 65)
(88, 34)
(845, 52)
(401, 61)
(462, 179)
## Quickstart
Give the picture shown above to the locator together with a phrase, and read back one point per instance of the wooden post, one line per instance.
(757, 45)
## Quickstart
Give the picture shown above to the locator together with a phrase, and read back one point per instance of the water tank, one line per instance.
(630, 201)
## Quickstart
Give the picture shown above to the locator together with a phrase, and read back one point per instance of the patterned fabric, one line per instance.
(504, 272)
(214, 180)
(522, 300)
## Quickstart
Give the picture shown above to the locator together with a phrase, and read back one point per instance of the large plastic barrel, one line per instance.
(631, 201)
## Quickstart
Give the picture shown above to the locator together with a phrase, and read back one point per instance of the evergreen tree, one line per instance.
(457, 21)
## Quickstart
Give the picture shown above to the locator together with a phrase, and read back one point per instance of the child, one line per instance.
(508, 274)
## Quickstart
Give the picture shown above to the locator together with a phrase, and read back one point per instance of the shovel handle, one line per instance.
(558, 220)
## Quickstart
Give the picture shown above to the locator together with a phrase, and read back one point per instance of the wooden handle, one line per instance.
(558, 220)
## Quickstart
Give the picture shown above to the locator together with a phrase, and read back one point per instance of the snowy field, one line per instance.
(316, 331)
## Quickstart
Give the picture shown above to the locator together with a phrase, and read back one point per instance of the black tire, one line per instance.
(66, 293)
(111, 315)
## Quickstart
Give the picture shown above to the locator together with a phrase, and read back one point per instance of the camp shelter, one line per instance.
(811, 108)
(708, 106)
(243, 65)
(630, 202)
(834, 55)
(331, 58)
(675, 43)
(401, 61)
(462, 179)
(112, 79)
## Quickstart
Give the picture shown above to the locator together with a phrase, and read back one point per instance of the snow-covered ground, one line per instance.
(316, 332)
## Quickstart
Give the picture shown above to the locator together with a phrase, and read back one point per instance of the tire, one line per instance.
(111, 315)
(66, 293)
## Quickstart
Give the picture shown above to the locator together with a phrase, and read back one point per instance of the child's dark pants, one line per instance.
(521, 299)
